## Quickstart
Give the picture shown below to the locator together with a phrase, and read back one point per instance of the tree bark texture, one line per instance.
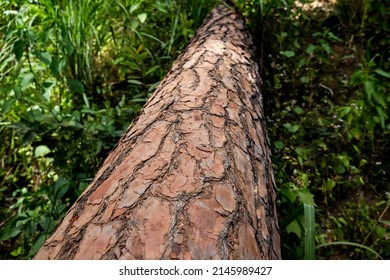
(192, 177)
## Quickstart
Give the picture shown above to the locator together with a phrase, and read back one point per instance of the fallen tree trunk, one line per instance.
(191, 178)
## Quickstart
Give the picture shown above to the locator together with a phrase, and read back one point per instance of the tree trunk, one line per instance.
(192, 177)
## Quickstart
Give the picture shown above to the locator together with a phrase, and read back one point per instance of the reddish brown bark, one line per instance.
(192, 177)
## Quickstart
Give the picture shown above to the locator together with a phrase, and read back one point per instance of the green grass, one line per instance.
(325, 76)
(73, 74)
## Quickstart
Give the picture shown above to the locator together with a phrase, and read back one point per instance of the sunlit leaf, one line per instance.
(292, 128)
(160, 7)
(41, 151)
(26, 79)
(382, 73)
(142, 17)
(294, 228)
(306, 197)
(45, 57)
(134, 7)
(288, 53)
(134, 82)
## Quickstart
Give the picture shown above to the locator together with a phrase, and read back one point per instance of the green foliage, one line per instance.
(326, 80)
(73, 74)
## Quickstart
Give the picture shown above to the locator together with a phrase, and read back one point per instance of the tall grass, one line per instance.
(73, 76)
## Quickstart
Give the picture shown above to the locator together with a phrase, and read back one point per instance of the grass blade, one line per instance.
(309, 218)
(351, 244)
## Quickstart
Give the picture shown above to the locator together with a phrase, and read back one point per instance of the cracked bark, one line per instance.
(191, 178)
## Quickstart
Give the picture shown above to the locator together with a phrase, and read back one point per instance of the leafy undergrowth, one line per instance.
(326, 74)
(73, 74)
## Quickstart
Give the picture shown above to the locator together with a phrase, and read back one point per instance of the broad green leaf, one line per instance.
(38, 244)
(345, 111)
(26, 79)
(45, 57)
(39, 100)
(306, 197)
(288, 53)
(41, 151)
(327, 47)
(292, 128)
(48, 86)
(72, 124)
(133, 24)
(57, 65)
(279, 145)
(339, 168)
(76, 86)
(345, 160)
(160, 7)
(31, 35)
(45, 35)
(294, 228)
(302, 62)
(17, 252)
(142, 17)
(118, 60)
(289, 193)
(19, 48)
(28, 138)
(304, 79)
(77, 115)
(330, 184)
(45, 222)
(18, 92)
(61, 186)
(134, 7)
(292, 216)
(7, 105)
(298, 110)
(310, 48)
(356, 133)
(302, 155)
(9, 230)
